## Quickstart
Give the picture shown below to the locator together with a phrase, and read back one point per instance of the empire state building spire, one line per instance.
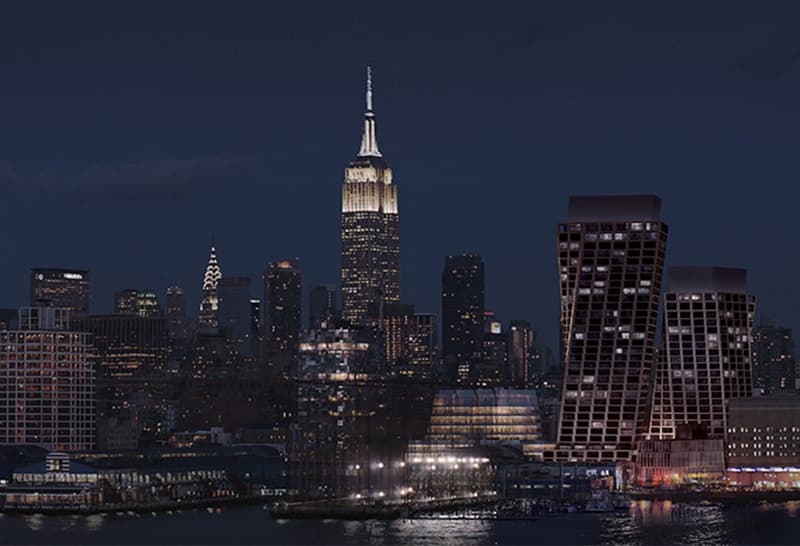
(370, 230)
(369, 140)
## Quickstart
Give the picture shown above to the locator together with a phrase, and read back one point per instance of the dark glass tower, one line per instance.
(610, 259)
(62, 288)
(321, 307)
(370, 229)
(773, 358)
(462, 317)
(282, 305)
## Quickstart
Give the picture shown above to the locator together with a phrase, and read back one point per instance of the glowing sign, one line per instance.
(73, 276)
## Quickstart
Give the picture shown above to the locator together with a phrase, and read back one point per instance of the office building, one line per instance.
(256, 326)
(462, 317)
(141, 303)
(282, 304)
(397, 324)
(62, 288)
(47, 390)
(322, 311)
(773, 358)
(519, 342)
(463, 418)
(370, 229)
(234, 312)
(763, 431)
(705, 360)
(610, 259)
(423, 347)
(493, 369)
(177, 322)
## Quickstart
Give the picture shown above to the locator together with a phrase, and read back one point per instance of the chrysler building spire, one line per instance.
(369, 140)
(210, 302)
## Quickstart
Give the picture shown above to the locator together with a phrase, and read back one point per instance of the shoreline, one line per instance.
(212, 502)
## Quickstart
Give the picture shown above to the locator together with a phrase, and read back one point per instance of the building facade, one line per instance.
(370, 229)
(763, 431)
(142, 303)
(322, 309)
(423, 347)
(705, 360)
(462, 317)
(47, 389)
(610, 258)
(234, 312)
(520, 340)
(63, 288)
(282, 304)
(774, 366)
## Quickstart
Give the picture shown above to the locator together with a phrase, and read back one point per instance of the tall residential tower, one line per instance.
(705, 360)
(610, 260)
(370, 229)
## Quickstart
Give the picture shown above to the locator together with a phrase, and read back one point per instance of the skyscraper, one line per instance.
(62, 288)
(773, 358)
(256, 326)
(370, 229)
(233, 315)
(423, 357)
(462, 317)
(705, 360)
(177, 324)
(397, 324)
(142, 303)
(610, 259)
(282, 304)
(321, 306)
(520, 339)
(47, 390)
(210, 302)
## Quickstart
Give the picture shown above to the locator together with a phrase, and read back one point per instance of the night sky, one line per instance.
(130, 132)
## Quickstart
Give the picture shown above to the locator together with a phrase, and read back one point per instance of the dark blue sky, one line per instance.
(129, 132)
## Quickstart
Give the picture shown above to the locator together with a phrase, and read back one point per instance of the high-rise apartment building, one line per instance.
(47, 391)
(141, 303)
(282, 304)
(773, 358)
(610, 259)
(234, 311)
(210, 301)
(62, 288)
(705, 360)
(321, 307)
(462, 317)
(370, 229)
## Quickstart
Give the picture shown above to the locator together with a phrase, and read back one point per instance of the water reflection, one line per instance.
(667, 522)
(94, 522)
(420, 532)
(35, 522)
(435, 532)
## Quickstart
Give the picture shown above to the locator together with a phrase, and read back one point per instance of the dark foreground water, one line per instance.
(645, 523)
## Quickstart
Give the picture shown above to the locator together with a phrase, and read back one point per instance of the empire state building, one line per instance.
(370, 229)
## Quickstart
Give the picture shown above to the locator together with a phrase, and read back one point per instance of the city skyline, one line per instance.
(572, 132)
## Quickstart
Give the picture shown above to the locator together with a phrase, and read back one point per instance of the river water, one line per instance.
(660, 522)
